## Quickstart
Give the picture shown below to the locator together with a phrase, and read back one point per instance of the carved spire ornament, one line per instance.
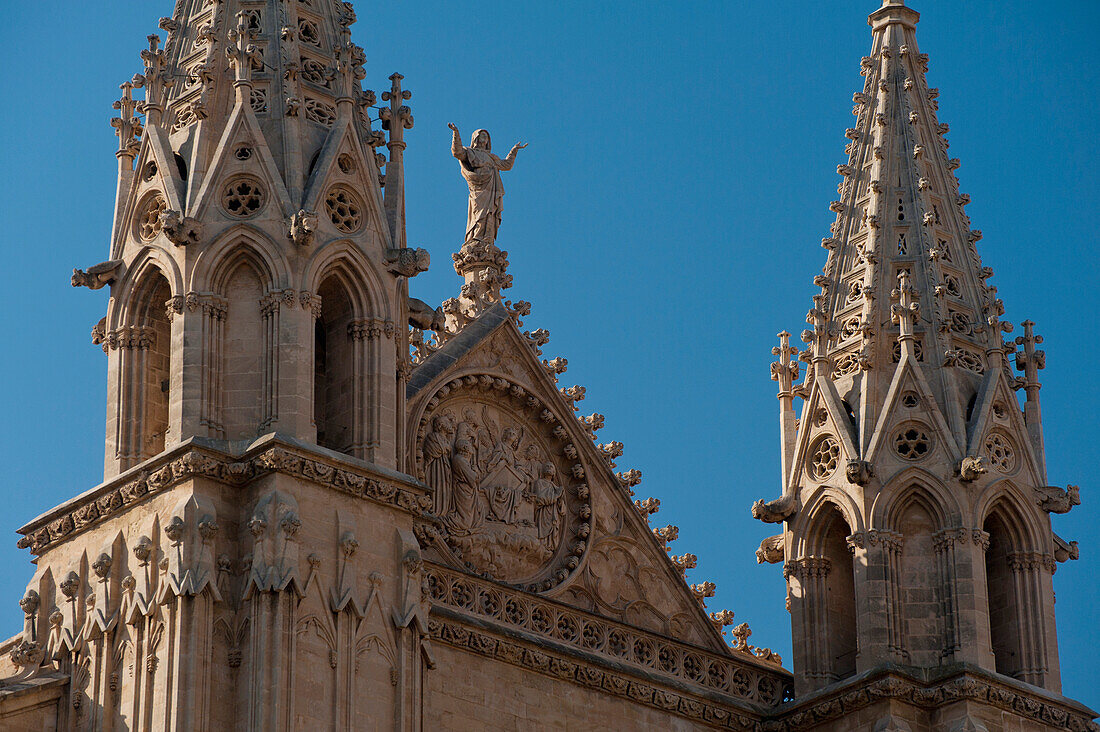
(912, 458)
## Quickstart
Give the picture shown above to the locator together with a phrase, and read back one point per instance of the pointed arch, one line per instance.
(140, 345)
(1015, 585)
(915, 485)
(148, 259)
(239, 243)
(826, 588)
(347, 363)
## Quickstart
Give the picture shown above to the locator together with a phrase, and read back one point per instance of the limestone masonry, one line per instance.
(329, 505)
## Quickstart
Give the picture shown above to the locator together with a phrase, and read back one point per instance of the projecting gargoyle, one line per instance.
(424, 316)
(181, 230)
(104, 273)
(776, 511)
(407, 262)
(1056, 500)
(771, 550)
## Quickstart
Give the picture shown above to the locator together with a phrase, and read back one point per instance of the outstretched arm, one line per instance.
(509, 161)
(457, 149)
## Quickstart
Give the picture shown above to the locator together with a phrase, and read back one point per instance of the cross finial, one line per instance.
(397, 117)
(1031, 360)
(818, 317)
(154, 79)
(349, 63)
(243, 53)
(905, 311)
(785, 371)
(127, 125)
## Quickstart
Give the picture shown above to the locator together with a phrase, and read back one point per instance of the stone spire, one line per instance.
(291, 66)
(900, 213)
(912, 457)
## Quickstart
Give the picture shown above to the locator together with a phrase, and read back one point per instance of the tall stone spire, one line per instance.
(258, 274)
(912, 450)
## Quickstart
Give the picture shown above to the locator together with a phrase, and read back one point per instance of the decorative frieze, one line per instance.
(160, 476)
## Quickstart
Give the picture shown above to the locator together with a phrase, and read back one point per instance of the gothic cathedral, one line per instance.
(328, 505)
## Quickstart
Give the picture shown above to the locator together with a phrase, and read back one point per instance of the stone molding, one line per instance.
(741, 674)
(584, 674)
(971, 684)
(191, 461)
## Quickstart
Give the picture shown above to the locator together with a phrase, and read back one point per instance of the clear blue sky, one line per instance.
(665, 222)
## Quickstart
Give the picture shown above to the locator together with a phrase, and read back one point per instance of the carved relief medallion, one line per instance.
(513, 504)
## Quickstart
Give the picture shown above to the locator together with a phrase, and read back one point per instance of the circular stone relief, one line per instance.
(148, 221)
(344, 209)
(514, 506)
(912, 442)
(824, 458)
(1002, 456)
(243, 197)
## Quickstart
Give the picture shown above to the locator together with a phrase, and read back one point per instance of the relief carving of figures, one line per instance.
(481, 169)
(505, 509)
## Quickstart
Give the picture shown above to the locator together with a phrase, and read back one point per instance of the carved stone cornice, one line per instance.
(741, 674)
(607, 679)
(191, 460)
(963, 682)
(890, 540)
(807, 567)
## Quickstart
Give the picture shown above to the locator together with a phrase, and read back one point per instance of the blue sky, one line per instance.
(664, 222)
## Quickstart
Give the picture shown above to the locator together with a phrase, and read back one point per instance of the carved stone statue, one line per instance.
(95, 277)
(481, 169)
(549, 508)
(437, 460)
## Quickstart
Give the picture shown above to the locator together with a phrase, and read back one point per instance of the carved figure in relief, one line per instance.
(481, 169)
(504, 482)
(466, 515)
(549, 509)
(437, 460)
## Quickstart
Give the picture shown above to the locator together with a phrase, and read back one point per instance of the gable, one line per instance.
(524, 497)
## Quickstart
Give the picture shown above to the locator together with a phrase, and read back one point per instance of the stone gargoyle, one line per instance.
(971, 468)
(859, 472)
(424, 316)
(302, 227)
(1056, 500)
(1065, 551)
(95, 277)
(181, 230)
(776, 511)
(407, 262)
(771, 550)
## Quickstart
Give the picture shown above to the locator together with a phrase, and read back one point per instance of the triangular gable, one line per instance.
(343, 140)
(823, 396)
(908, 376)
(167, 181)
(242, 127)
(1009, 419)
(625, 572)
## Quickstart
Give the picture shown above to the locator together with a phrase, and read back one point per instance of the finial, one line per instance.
(243, 53)
(396, 118)
(127, 125)
(154, 80)
(905, 311)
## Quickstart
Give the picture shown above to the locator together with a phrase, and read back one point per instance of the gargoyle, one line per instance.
(776, 511)
(180, 230)
(1056, 500)
(771, 550)
(104, 273)
(1065, 551)
(424, 316)
(970, 468)
(99, 331)
(302, 227)
(407, 262)
(859, 472)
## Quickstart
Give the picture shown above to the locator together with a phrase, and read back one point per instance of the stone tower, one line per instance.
(915, 506)
(232, 311)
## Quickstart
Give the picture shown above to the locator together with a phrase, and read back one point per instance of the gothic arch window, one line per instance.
(828, 608)
(346, 363)
(144, 351)
(918, 573)
(334, 372)
(1015, 594)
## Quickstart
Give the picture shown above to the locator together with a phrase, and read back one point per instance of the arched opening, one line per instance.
(334, 392)
(1006, 626)
(244, 357)
(840, 597)
(145, 356)
(920, 587)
